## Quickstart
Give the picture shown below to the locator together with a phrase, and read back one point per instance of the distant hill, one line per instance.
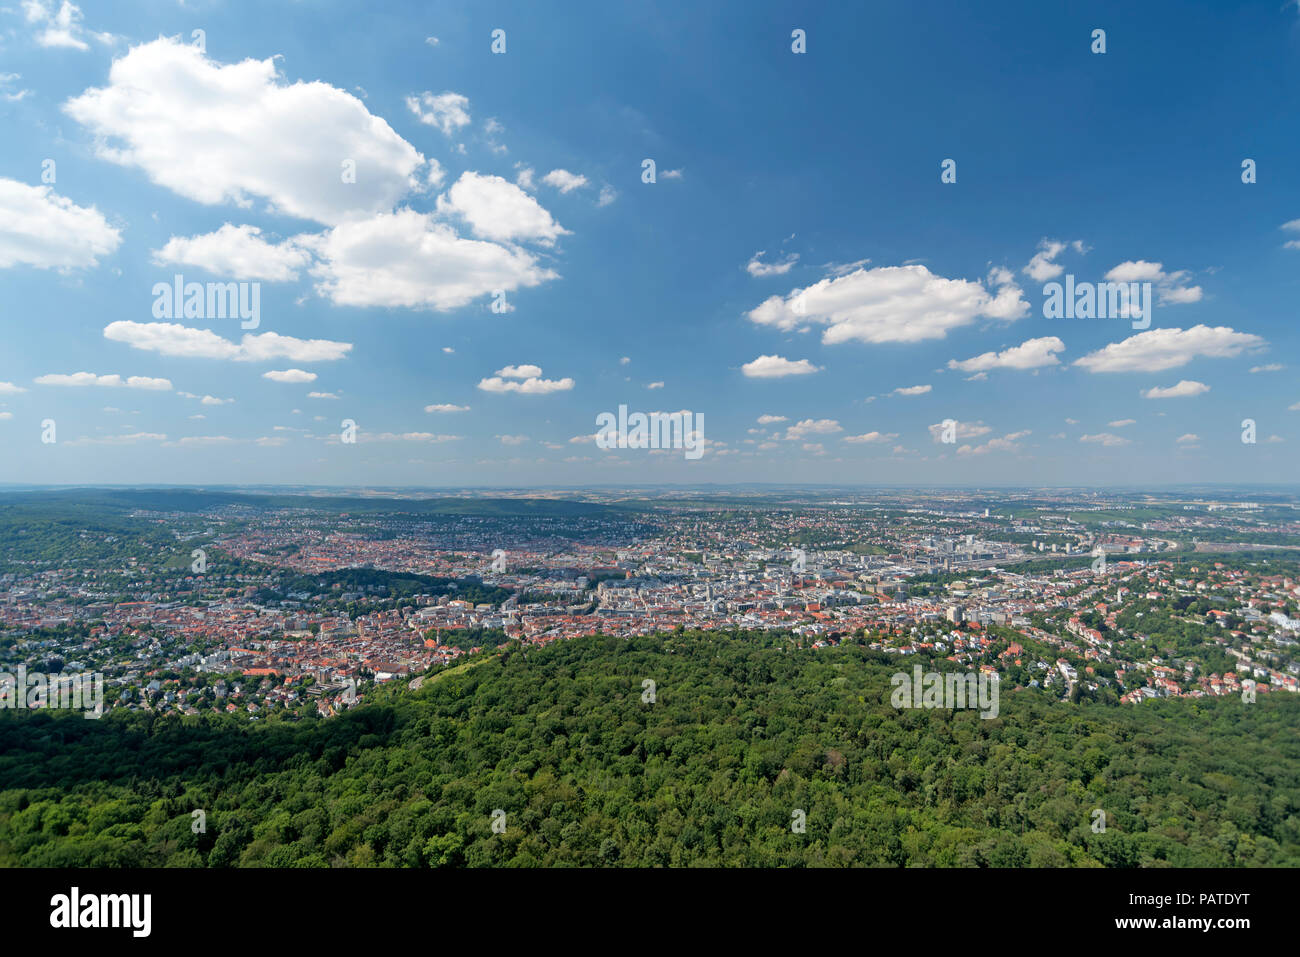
(194, 500)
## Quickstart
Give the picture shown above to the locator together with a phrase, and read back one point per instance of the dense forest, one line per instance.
(742, 734)
(30, 536)
(385, 583)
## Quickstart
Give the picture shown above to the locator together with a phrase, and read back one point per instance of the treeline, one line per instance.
(681, 749)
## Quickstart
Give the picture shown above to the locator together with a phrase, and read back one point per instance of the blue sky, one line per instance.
(884, 301)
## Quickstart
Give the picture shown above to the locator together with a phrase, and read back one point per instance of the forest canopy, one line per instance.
(744, 731)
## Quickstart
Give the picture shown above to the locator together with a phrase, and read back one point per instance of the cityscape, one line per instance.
(297, 607)
(447, 440)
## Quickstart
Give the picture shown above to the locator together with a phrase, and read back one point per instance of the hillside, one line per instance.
(745, 729)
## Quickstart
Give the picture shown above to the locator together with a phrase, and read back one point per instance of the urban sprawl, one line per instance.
(246, 609)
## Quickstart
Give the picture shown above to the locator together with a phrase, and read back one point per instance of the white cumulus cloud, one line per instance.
(1030, 354)
(78, 379)
(497, 209)
(889, 304)
(564, 181)
(806, 427)
(232, 133)
(289, 375)
(1043, 265)
(1159, 349)
(962, 431)
(776, 367)
(1107, 439)
(524, 379)
(448, 111)
(173, 339)
(40, 228)
(239, 252)
(1171, 287)
(759, 269)
(59, 25)
(408, 259)
(1184, 389)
